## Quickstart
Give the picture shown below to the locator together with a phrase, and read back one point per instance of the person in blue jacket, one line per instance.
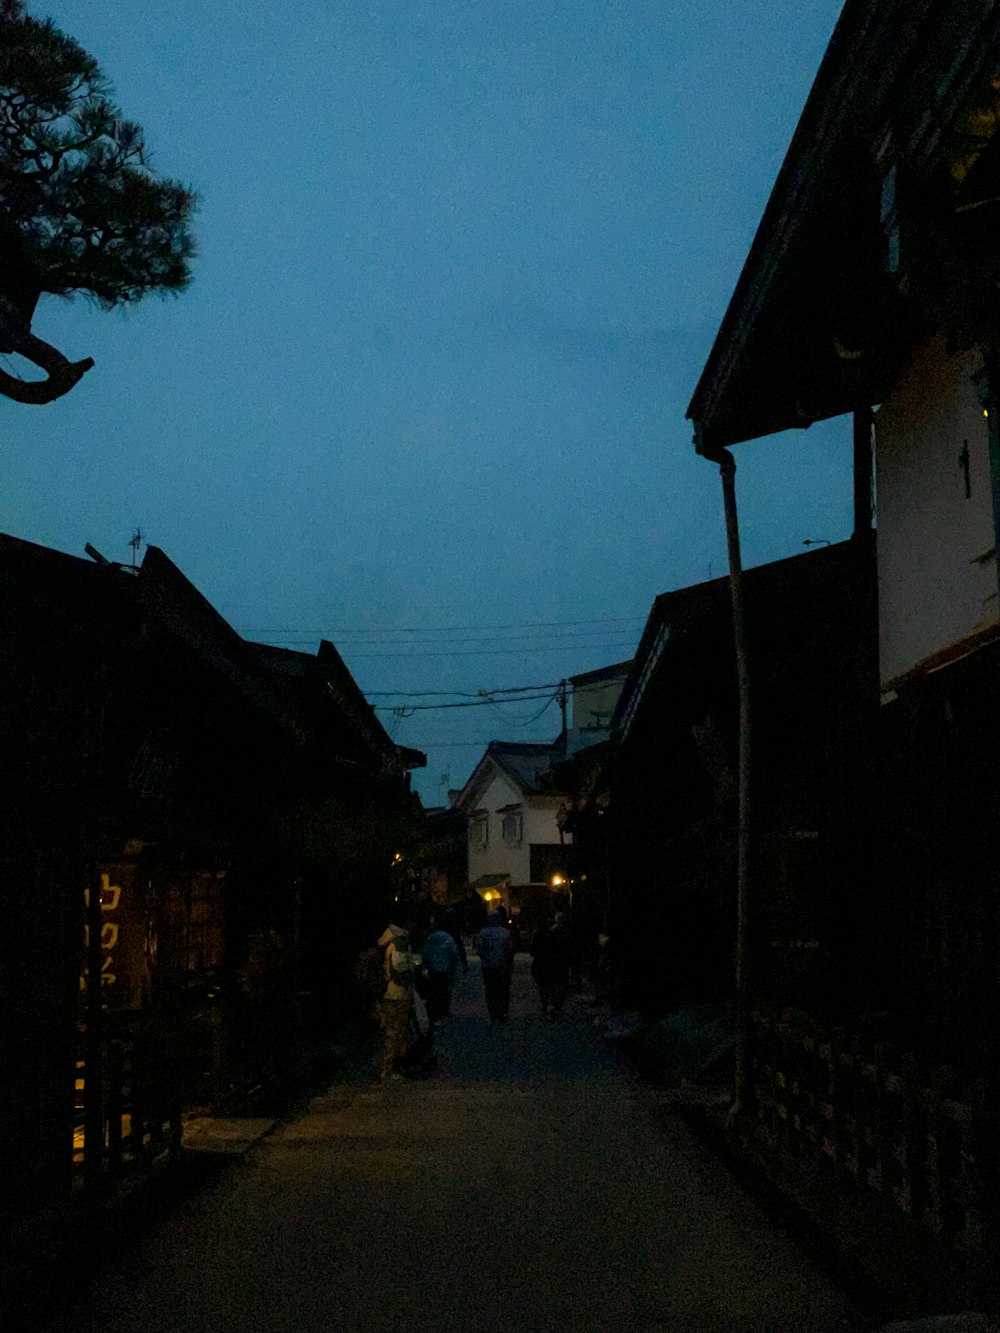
(439, 957)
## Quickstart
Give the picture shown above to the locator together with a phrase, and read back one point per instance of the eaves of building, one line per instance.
(817, 325)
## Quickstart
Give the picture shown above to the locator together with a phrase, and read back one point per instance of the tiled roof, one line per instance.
(793, 582)
(524, 762)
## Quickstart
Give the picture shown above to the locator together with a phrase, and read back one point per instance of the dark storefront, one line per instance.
(197, 835)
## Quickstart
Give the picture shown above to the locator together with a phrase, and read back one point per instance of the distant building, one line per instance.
(444, 873)
(518, 815)
(511, 816)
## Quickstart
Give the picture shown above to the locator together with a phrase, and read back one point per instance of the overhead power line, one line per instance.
(494, 652)
(371, 632)
(468, 703)
(293, 639)
(461, 694)
(535, 716)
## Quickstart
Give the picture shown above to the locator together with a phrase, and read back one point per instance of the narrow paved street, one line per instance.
(526, 1186)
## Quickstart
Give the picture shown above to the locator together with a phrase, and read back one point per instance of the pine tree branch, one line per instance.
(62, 374)
(80, 210)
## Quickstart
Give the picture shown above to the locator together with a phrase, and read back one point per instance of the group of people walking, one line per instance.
(550, 964)
(415, 987)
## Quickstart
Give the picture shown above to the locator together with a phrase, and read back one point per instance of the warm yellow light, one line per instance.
(986, 411)
(557, 880)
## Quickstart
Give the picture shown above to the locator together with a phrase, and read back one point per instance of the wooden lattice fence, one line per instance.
(865, 1120)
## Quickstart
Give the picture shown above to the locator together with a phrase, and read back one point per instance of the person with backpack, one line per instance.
(399, 967)
(440, 957)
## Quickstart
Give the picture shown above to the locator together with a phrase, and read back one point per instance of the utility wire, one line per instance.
(495, 652)
(520, 722)
(470, 703)
(443, 629)
(346, 641)
(535, 716)
(462, 694)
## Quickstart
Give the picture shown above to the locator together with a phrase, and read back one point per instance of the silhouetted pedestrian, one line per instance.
(496, 953)
(449, 922)
(440, 958)
(473, 912)
(550, 958)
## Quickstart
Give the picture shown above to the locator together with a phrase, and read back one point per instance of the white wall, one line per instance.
(594, 704)
(935, 587)
(538, 824)
(592, 707)
(540, 820)
(499, 857)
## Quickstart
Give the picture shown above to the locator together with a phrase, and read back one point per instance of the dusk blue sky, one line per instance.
(460, 265)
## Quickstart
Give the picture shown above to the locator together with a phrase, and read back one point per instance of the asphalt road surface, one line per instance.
(528, 1185)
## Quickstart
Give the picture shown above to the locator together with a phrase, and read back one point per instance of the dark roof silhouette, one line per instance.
(523, 762)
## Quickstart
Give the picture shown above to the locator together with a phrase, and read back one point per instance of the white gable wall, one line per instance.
(540, 819)
(937, 578)
(538, 825)
(499, 857)
(593, 705)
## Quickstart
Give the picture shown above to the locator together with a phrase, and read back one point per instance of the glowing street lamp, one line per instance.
(563, 885)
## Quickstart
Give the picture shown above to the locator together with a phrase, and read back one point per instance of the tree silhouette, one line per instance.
(80, 209)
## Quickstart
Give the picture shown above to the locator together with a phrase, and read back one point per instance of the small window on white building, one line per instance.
(511, 826)
(479, 830)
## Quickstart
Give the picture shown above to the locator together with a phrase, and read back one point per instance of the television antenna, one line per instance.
(135, 542)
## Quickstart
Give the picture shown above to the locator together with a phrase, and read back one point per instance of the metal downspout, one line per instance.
(862, 472)
(727, 469)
